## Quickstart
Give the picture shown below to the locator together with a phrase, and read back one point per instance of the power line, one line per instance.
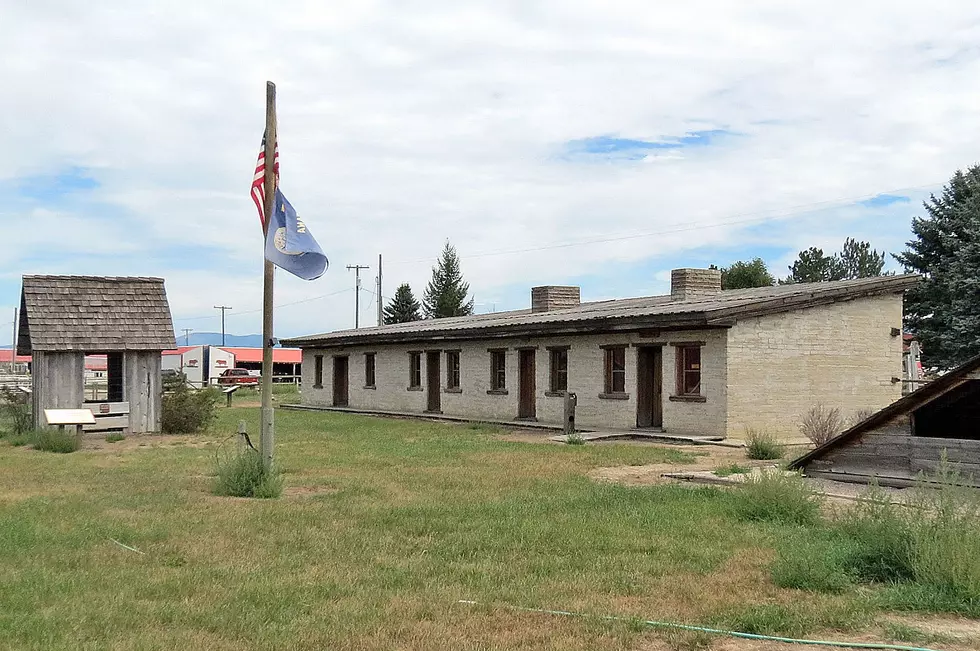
(243, 313)
(738, 219)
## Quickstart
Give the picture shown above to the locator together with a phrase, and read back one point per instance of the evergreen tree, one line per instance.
(811, 266)
(857, 260)
(744, 274)
(942, 307)
(445, 295)
(403, 307)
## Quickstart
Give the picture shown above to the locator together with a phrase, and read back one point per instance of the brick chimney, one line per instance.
(554, 297)
(686, 284)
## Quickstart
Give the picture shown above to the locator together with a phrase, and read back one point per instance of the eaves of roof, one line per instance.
(622, 315)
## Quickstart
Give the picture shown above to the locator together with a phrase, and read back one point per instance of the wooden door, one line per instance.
(433, 375)
(341, 382)
(526, 405)
(649, 387)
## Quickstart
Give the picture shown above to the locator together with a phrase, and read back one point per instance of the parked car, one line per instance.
(239, 376)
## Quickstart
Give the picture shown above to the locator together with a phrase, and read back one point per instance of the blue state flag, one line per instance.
(289, 244)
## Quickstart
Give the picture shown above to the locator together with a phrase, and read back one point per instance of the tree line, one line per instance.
(942, 311)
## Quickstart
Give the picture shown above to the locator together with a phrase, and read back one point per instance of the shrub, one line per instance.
(762, 445)
(16, 412)
(860, 415)
(244, 475)
(574, 439)
(115, 437)
(821, 424)
(55, 440)
(186, 410)
(777, 496)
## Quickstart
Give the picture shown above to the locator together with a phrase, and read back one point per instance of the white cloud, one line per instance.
(403, 125)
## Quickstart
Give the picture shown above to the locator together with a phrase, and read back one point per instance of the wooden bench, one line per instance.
(77, 417)
(109, 416)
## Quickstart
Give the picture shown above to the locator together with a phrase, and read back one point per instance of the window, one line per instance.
(498, 370)
(369, 370)
(616, 369)
(559, 369)
(318, 371)
(415, 370)
(452, 370)
(689, 370)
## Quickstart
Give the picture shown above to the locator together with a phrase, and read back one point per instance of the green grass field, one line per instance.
(383, 526)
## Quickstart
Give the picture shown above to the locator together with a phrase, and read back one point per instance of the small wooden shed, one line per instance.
(909, 436)
(63, 318)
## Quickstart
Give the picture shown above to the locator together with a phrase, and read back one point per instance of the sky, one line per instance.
(591, 143)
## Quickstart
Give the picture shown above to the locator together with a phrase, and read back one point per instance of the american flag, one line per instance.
(258, 181)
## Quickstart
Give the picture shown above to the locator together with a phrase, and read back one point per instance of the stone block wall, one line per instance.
(840, 355)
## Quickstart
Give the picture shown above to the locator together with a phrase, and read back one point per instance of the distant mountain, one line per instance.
(214, 339)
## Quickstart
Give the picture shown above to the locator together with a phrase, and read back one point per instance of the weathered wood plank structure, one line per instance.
(909, 436)
(63, 318)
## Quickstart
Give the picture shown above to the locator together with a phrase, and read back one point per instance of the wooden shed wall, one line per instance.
(890, 451)
(57, 382)
(142, 389)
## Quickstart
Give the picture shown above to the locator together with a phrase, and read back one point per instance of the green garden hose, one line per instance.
(718, 631)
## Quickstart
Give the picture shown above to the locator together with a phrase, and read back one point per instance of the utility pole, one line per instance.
(380, 311)
(223, 308)
(187, 335)
(357, 291)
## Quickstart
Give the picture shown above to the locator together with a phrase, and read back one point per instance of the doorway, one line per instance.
(340, 381)
(526, 405)
(432, 387)
(649, 387)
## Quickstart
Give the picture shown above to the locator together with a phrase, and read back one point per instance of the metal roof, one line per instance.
(715, 310)
(94, 314)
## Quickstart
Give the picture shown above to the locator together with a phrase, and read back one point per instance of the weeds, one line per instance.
(731, 469)
(777, 496)
(16, 412)
(55, 440)
(811, 562)
(244, 475)
(880, 541)
(927, 554)
(762, 445)
(115, 437)
(574, 439)
(821, 424)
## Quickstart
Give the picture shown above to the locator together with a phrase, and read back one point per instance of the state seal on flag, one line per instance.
(279, 239)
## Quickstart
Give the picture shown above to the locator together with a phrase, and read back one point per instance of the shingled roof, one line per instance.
(94, 314)
(721, 309)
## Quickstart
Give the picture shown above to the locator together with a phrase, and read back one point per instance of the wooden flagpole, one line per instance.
(267, 435)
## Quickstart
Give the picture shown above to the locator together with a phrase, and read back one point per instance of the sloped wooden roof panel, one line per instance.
(95, 314)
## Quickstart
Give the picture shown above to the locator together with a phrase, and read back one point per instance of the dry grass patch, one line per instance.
(385, 526)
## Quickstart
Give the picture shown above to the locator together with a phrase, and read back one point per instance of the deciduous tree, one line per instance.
(746, 273)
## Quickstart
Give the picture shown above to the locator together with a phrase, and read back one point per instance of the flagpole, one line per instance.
(267, 436)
